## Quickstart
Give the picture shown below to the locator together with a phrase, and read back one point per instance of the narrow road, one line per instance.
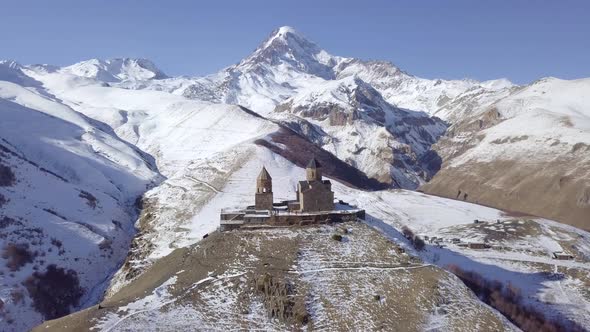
(362, 268)
(206, 184)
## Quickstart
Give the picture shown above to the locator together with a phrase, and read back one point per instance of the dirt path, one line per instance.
(206, 184)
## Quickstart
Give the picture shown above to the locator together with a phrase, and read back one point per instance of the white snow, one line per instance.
(551, 113)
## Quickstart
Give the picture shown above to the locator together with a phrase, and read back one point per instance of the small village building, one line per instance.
(562, 256)
(478, 245)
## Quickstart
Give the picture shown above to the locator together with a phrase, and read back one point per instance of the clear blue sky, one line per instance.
(520, 40)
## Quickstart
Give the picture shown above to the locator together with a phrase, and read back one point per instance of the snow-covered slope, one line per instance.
(108, 146)
(115, 70)
(67, 194)
(11, 71)
(350, 119)
(527, 152)
(415, 93)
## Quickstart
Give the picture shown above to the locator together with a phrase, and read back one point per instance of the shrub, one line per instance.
(17, 255)
(415, 240)
(54, 291)
(56, 242)
(17, 296)
(508, 301)
(280, 300)
(105, 244)
(7, 177)
(6, 221)
(337, 237)
(419, 243)
(90, 199)
(407, 232)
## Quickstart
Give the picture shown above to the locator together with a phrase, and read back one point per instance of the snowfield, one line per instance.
(70, 201)
(556, 114)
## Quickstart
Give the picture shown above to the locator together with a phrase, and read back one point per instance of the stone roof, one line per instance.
(305, 185)
(313, 163)
(264, 174)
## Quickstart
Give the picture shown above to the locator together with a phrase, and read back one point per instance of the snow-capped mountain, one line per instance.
(415, 93)
(287, 66)
(116, 70)
(286, 62)
(11, 71)
(349, 118)
(289, 71)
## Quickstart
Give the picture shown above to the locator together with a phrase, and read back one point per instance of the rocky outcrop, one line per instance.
(351, 120)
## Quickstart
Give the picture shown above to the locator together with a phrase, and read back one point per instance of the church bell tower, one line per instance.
(313, 171)
(263, 197)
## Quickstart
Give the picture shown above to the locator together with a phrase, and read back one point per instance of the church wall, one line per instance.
(318, 198)
(263, 201)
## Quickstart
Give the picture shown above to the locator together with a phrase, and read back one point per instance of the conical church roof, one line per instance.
(264, 174)
(314, 163)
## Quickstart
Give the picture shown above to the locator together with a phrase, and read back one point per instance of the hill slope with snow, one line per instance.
(67, 199)
(210, 281)
(528, 152)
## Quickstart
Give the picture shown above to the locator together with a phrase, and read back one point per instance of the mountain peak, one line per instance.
(12, 71)
(287, 48)
(10, 64)
(117, 69)
(285, 30)
(287, 36)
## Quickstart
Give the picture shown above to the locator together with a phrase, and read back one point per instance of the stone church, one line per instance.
(313, 194)
(314, 204)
